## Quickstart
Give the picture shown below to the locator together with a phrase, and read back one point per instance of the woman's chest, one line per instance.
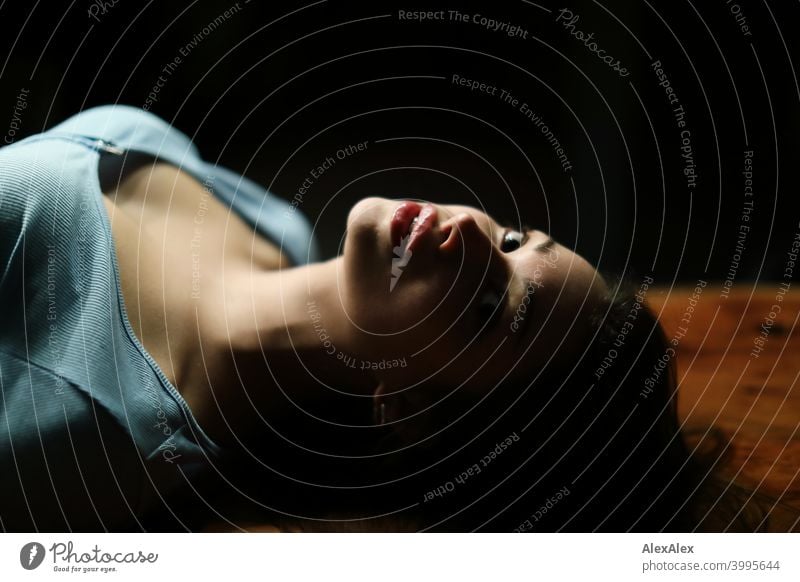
(176, 246)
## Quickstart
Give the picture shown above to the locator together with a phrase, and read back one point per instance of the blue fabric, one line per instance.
(92, 434)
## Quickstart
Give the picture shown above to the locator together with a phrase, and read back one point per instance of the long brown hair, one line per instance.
(594, 446)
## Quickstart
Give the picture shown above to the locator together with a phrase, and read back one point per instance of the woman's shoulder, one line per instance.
(40, 181)
(130, 128)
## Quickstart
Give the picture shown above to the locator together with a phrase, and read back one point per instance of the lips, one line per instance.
(402, 219)
(404, 223)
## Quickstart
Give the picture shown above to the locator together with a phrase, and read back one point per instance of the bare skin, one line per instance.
(193, 333)
(236, 328)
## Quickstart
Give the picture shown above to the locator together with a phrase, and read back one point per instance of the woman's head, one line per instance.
(565, 447)
(467, 302)
(568, 377)
(570, 448)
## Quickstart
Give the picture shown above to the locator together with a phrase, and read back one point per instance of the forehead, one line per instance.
(559, 269)
(563, 287)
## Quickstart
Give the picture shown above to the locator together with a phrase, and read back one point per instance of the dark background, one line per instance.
(276, 88)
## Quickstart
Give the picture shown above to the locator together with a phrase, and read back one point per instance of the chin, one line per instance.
(366, 258)
(367, 248)
(367, 214)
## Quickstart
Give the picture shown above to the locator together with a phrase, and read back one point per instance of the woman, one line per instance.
(471, 375)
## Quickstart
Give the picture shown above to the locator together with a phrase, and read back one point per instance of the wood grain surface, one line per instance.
(738, 364)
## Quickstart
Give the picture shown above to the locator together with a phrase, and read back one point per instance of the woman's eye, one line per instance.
(512, 240)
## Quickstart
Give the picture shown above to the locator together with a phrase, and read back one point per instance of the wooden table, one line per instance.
(738, 370)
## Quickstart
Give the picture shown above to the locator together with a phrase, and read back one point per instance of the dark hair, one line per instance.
(593, 446)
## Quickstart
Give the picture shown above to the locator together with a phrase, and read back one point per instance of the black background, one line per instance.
(276, 88)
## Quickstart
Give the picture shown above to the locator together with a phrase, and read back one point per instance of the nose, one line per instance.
(465, 236)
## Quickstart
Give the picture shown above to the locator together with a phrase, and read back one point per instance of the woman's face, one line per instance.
(450, 296)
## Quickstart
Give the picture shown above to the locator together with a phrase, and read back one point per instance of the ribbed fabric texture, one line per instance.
(92, 435)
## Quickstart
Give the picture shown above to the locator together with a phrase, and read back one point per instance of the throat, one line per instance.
(284, 354)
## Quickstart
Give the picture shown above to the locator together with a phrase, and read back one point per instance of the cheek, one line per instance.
(427, 297)
(414, 318)
(436, 301)
(448, 364)
(447, 311)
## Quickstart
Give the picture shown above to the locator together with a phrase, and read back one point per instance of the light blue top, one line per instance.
(92, 434)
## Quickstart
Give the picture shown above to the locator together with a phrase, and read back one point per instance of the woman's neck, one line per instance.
(289, 346)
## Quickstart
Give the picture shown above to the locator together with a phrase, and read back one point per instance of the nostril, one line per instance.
(450, 235)
(461, 221)
(454, 231)
(445, 229)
